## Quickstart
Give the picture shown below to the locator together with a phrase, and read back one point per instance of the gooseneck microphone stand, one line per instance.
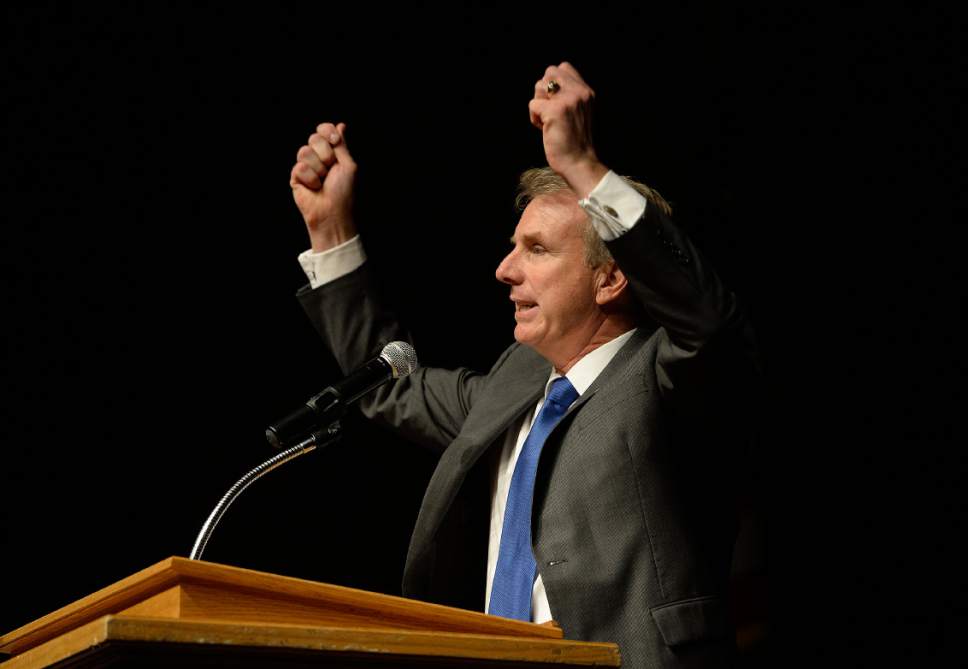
(396, 360)
(316, 439)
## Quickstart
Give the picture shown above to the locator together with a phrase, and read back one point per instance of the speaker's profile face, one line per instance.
(552, 287)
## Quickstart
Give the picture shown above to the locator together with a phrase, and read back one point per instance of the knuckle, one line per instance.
(320, 147)
(302, 179)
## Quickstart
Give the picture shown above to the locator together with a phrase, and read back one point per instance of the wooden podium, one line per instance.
(187, 613)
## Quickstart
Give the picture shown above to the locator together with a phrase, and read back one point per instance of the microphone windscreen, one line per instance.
(401, 357)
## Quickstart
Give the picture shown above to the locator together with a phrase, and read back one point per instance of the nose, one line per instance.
(507, 271)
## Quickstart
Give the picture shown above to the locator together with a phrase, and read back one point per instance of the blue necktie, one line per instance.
(516, 568)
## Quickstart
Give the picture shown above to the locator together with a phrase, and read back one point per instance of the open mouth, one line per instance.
(520, 307)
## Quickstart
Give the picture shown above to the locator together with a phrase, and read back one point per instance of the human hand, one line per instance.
(563, 113)
(322, 186)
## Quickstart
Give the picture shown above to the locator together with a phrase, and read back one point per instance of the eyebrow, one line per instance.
(527, 237)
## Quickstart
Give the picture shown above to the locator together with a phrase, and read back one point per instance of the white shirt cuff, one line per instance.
(613, 206)
(329, 265)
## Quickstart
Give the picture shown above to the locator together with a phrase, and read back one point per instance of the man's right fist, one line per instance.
(322, 186)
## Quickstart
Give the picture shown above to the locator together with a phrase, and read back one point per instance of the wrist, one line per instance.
(326, 237)
(583, 175)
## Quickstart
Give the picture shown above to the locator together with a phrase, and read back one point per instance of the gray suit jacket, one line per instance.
(634, 512)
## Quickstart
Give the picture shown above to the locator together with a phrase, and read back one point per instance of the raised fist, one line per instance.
(322, 186)
(562, 109)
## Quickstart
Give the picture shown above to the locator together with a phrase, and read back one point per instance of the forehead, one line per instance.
(554, 216)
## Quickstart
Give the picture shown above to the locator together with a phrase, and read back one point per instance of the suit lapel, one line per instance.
(514, 389)
(619, 367)
(507, 400)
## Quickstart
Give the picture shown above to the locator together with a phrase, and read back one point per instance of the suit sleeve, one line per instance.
(430, 405)
(706, 344)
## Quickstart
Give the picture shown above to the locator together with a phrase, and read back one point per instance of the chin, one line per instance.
(521, 336)
(528, 339)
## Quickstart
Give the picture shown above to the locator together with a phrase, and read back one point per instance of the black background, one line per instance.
(151, 237)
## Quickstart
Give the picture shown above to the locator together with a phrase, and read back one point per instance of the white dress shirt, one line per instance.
(613, 207)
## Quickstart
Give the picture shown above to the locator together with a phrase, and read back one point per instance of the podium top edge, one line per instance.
(176, 570)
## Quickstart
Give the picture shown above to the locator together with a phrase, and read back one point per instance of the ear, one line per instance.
(610, 283)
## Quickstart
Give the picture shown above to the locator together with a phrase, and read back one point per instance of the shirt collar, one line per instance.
(584, 372)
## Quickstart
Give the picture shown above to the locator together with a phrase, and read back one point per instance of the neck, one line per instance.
(607, 329)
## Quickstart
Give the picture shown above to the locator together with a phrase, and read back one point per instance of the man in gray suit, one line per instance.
(586, 478)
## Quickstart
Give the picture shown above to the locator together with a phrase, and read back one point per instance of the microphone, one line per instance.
(396, 360)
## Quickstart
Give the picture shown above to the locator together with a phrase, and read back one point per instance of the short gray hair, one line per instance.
(545, 181)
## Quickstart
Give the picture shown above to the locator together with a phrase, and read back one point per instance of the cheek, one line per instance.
(576, 300)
